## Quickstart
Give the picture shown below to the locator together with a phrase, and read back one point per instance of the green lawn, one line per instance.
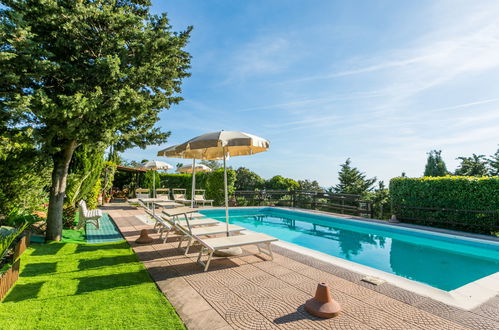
(79, 286)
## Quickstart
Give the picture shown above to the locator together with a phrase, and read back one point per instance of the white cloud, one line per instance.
(264, 55)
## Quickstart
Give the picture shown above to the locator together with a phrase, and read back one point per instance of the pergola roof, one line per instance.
(129, 169)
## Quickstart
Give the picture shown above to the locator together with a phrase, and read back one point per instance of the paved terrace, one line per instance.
(250, 292)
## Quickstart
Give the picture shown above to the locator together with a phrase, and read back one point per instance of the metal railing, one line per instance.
(339, 203)
(480, 221)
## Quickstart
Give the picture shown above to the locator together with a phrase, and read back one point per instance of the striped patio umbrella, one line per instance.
(219, 145)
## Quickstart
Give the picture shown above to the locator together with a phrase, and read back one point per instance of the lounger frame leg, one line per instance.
(180, 241)
(189, 243)
(207, 263)
(166, 236)
(209, 260)
(268, 252)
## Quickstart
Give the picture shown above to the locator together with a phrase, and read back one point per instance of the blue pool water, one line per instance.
(442, 262)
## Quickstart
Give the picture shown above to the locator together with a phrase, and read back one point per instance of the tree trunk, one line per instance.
(57, 191)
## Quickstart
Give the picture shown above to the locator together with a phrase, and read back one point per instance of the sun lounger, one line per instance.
(186, 212)
(195, 222)
(139, 194)
(88, 216)
(200, 199)
(198, 228)
(179, 196)
(163, 193)
(210, 245)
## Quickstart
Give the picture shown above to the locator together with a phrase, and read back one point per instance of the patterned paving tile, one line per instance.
(250, 292)
(470, 321)
(490, 309)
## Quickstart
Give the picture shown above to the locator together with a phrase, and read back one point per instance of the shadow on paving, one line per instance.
(300, 314)
(41, 268)
(119, 207)
(161, 273)
(135, 232)
(105, 261)
(24, 291)
(112, 281)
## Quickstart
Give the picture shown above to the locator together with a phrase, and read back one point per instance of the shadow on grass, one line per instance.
(24, 291)
(112, 281)
(47, 249)
(105, 261)
(41, 268)
(94, 248)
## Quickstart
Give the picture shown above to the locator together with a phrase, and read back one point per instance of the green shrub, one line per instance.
(92, 198)
(457, 194)
(212, 182)
(24, 181)
(68, 217)
(183, 181)
(84, 172)
(215, 185)
(7, 236)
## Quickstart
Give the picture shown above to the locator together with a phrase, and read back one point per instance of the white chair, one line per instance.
(88, 216)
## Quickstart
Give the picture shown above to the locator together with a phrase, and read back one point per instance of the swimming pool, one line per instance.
(441, 261)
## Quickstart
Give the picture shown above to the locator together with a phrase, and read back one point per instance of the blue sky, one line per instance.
(381, 82)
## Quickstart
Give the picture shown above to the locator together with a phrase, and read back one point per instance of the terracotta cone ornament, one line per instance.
(323, 305)
(144, 237)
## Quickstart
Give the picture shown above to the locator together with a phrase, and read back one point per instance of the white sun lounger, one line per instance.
(186, 212)
(199, 197)
(179, 196)
(140, 194)
(191, 231)
(210, 245)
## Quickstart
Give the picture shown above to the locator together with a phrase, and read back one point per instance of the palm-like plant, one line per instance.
(7, 236)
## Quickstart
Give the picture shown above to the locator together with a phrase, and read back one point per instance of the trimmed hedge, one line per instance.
(455, 202)
(212, 182)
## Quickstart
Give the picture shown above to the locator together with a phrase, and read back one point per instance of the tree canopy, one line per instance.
(435, 165)
(476, 165)
(87, 72)
(309, 185)
(279, 182)
(494, 164)
(248, 180)
(352, 181)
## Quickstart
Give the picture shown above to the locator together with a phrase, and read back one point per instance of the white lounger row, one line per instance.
(199, 230)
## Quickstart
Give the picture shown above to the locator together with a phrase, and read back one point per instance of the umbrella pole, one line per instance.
(226, 197)
(153, 184)
(193, 190)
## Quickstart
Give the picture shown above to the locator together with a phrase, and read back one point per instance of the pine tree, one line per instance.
(92, 73)
(435, 165)
(493, 163)
(352, 181)
(476, 165)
